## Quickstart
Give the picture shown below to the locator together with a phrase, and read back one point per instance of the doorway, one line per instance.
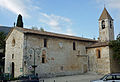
(13, 69)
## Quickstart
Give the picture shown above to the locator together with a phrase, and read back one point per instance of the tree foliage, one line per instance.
(2, 40)
(115, 45)
(2, 46)
(19, 21)
(118, 36)
(41, 29)
(36, 28)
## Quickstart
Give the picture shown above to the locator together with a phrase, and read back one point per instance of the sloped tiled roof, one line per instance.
(98, 44)
(105, 15)
(45, 33)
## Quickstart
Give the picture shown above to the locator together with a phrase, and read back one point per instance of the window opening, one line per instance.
(43, 58)
(103, 24)
(45, 42)
(98, 54)
(110, 24)
(13, 42)
(74, 46)
(12, 56)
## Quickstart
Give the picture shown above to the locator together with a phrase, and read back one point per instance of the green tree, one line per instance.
(115, 45)
(2, 46)
(118, 36)
(2, 40)
(19, 21)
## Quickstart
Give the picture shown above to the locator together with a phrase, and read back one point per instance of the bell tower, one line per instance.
(106, 27)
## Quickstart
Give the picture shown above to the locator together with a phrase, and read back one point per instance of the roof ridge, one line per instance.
(105, 15)
(26, 30)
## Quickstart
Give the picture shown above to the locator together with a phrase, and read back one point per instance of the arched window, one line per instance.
(43, 58)
(110, 24)
(103, 24)
(98, 53)
(13, 42)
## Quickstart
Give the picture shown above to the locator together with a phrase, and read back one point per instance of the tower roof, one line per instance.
(105, 15)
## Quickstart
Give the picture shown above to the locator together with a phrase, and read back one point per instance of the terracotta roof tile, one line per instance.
(98, 44)
(30, 31)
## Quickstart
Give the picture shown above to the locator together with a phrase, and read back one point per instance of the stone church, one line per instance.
(50, 54)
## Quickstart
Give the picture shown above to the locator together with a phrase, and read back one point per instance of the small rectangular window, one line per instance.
(43, 59)
(110, 24)
(45, 42)
(98, 54)
(12, 56)
(74, 46)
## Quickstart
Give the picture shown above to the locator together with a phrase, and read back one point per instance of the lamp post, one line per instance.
(34, 51)
(34, 66)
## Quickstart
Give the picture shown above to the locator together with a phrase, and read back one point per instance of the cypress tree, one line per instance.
(19, 21)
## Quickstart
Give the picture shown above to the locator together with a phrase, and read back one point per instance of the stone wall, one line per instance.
(106, 34)
(99, 65)
(61, 59)
(17, 51)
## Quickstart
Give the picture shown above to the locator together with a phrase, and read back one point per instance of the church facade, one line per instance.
(50, 54)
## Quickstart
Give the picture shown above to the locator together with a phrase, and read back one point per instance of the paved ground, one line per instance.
(75, 78)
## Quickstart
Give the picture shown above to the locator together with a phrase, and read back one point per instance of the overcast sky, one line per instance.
(74, 17)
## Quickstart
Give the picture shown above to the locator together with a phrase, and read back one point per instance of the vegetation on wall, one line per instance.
(2, 40)
(36, 28)
(115, 45)
(2, 46)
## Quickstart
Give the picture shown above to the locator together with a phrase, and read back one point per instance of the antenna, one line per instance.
(104, 4)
